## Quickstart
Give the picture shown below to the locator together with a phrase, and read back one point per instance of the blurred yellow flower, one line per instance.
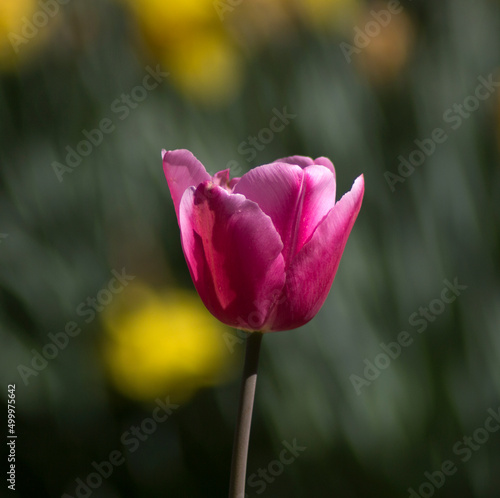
(191, 41)
(24, 28)
(11, 24)
(159, 344)
(203, 43)
(206, 67)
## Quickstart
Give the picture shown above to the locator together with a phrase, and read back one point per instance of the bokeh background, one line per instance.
(90, 356)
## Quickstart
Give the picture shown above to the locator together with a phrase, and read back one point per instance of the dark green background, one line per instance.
(114, 210)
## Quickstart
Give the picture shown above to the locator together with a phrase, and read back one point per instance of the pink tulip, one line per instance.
(262, 249)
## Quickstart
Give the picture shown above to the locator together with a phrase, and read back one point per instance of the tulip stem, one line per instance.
(244, 420)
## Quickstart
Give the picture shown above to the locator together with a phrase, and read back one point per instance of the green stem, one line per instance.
(244, 420)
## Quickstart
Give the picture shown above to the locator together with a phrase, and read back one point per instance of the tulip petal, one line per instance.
(277, 189)
(311, 273)
(233, 253)
(304, 161)
(182, 170)
(318, 200)
(296, 199)
(301, 161)
(324, 161)
(233, 182)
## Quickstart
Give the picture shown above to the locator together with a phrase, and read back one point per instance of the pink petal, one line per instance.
(324, 161)
(301, 161)
(311, 273)
(277, 189)
(318, 200)
(233, 182)
(233, 253)
(182, 170)
(221, 178)
(304, 161)
(295, 199)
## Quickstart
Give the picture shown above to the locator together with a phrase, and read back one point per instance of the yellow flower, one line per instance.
(163, 344)
(206, 67)
(24, 28)
(191, 42)
(202, 42)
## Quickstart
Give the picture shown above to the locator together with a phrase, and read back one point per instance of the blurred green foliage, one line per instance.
(61, 240)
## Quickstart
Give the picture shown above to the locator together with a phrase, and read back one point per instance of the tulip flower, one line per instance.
(262, 249)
